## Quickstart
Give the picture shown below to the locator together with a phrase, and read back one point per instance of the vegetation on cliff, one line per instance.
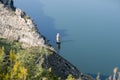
(23, 64)
(17, 63)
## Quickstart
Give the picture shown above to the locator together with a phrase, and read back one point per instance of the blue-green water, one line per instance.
(90, 30)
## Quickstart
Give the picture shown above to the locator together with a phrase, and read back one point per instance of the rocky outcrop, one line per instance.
(18, 26)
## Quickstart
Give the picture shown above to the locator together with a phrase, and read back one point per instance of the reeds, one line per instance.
(115, 76)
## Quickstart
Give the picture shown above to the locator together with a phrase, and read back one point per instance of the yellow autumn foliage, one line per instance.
(14, 72)
(12, 56)
(70, 77)
(22, 66)
(23, 73)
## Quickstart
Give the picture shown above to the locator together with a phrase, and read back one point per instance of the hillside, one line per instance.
(19, 33)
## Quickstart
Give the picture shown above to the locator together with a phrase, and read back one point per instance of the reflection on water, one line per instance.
(58, 46)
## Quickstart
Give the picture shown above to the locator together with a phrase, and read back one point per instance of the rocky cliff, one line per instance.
(16, 25)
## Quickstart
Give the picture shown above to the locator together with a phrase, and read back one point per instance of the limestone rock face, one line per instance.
(16, 25)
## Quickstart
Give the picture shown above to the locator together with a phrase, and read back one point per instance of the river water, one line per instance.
(89, 29)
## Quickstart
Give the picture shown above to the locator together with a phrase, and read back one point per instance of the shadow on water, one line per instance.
(45, 24)
(58, 47)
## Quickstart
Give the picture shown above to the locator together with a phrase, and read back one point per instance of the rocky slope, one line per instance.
(16, 25)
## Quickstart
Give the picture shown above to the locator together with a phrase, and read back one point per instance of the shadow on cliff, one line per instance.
(44, 23)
